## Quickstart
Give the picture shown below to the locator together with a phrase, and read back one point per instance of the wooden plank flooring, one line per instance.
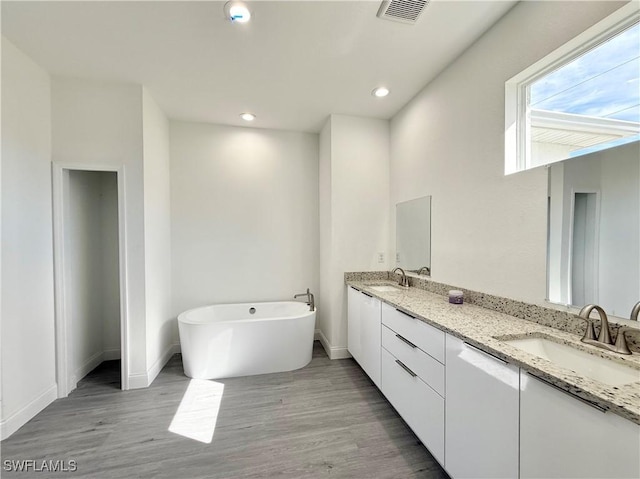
(325, 420)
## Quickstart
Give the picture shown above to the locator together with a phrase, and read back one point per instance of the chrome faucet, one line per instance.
(404, 281)
(426, 270)
(604, 338)
(310, 299)
(634, 311)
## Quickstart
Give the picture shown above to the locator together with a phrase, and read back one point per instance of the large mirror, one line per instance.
(593, 250)
(413, 235)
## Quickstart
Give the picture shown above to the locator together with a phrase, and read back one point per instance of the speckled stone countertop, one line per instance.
(480, 327)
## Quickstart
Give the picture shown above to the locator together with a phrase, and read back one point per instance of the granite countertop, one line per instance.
(480, 327)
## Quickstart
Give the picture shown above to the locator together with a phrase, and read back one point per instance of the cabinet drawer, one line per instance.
(419, 405)
(427, 368)
(426, 337)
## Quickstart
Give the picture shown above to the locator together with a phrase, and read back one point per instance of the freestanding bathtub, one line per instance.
(229, 340)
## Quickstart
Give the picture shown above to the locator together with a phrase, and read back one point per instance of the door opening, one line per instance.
(584, 249)
(90, 312)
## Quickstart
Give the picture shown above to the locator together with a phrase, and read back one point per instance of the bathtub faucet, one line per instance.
(310, 300)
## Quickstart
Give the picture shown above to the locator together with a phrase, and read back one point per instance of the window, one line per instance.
(581, 98)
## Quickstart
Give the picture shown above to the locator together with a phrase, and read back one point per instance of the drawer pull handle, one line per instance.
(405, 340)
(406, 314)
(485, 353)
(366, 294)
(402, 365)
(586, 401)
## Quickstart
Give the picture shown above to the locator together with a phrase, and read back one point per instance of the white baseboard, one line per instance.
(92, 363)
(332, 351)
(14, 422)
(111, 355)
(88, 366)
(139, 381)
(153, 372)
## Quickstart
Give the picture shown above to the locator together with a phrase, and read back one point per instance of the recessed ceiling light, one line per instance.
(380, 92)
(237, 12)
(247, 116)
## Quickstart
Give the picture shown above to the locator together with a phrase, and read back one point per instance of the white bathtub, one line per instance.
(228, 340)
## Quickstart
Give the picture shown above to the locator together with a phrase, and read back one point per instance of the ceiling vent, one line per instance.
(405, 11)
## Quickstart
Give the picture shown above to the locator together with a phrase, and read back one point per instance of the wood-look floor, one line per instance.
(325, 420)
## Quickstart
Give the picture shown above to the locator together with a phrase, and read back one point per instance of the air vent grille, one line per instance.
(406, 11)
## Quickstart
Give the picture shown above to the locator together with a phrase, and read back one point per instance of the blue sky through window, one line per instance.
(603, 82)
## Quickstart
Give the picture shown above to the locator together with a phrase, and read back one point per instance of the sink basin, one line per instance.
(581, 362)
(385, 288)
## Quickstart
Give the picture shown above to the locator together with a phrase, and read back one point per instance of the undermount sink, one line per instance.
(385, 288)
(581, 362)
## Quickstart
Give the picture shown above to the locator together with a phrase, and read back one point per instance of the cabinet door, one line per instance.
(481, 431)
(370, 337)
(364, 332)
(563, 437)
(354, 305)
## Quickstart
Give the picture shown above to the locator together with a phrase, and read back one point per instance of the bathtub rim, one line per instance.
(182, 317)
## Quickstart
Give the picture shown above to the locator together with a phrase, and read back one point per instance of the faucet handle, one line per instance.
(621, 342)
(590, 332)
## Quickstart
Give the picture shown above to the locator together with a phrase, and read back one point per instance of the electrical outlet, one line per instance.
(380, 257)
(397, 257)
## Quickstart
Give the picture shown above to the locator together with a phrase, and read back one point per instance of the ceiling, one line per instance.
(292, 65)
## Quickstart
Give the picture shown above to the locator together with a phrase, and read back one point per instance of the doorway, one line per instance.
(584, 249)
(89, 275)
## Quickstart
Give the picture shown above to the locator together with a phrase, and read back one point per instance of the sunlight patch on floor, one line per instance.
(197, 413)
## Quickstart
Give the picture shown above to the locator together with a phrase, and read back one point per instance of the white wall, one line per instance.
(619, 276)
(101, 125)
(28, 379)
(91, 246)
(244, 208)
(354, 161)
(488, 230)
(161, 328)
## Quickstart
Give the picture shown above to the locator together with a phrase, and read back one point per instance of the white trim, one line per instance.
(63, 385)
(517, 114)
(92, 363)
(161, 362)
(144, 380)
(65, 381)
(332, 351)
(138, 381)
(25, 414)
(111, 354)
(124, 275)
(88, 366)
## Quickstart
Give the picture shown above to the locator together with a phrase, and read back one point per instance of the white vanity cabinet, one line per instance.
(363, 331)
(561, 436)
(482, 414)
(413, 375)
